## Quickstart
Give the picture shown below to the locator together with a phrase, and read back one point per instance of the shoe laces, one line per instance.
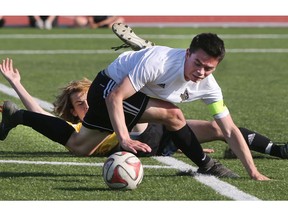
(123, 46)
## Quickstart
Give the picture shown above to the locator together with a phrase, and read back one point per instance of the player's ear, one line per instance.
(188, 53)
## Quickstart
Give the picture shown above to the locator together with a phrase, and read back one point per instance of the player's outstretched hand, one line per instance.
(135, 146)
(9, 72)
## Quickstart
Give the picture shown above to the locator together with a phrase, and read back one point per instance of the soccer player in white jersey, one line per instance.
(174, 75)
(147, 71)
(255, 141)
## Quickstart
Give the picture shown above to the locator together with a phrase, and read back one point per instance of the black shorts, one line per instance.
(97, 116)
(159, 140)
(152, 136)
(157, 137)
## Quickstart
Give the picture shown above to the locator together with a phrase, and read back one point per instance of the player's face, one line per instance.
(79, 102)
(198, 65)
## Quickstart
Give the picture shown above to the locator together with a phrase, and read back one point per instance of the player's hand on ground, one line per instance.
(135, 146)
(208, 151)
(258, 176)
(9, 72)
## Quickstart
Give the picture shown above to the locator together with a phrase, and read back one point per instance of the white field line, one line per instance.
(221, 187)
(112, 36)
(11, 92)
(73, 164)
(93, 52)
(146, 36)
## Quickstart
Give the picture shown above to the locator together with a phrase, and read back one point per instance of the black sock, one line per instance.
(256, 141)
(186, 140)
(54, 128)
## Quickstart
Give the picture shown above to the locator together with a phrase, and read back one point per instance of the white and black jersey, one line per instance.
(159, 73)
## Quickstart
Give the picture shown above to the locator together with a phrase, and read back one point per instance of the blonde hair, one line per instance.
(63, 104)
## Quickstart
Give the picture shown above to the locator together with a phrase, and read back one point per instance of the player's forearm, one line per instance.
(27, 100)
(117, 118)
(240, 148)
(237, 143)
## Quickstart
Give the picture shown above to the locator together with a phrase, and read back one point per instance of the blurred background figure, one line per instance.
(95, 21)
(103, 21)
(2, 21)
(43, 22)
(79, 21)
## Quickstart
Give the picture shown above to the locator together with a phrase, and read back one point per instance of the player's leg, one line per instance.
(206, 131)
(184, 138)
(54, 128)
(260, 143)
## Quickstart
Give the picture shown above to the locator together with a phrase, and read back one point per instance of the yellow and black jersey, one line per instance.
(104, 148)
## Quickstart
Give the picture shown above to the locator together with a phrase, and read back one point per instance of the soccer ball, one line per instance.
(122, 170)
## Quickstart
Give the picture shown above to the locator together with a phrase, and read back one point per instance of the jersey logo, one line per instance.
(162, 85)
(185, 95)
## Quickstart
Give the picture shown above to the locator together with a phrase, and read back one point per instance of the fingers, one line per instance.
(208, 151)
(7, 64)
(143, 148)
(10, 63)
(135, 146)
(3, 66)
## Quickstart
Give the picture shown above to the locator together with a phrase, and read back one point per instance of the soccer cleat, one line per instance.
(215, 168)
(284, 151)
(9, 119)
(126, 34)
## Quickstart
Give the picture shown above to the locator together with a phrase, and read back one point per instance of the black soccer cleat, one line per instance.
(9, 118)
(215, 168)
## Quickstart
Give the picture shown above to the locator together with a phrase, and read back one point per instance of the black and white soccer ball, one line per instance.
(123, 170)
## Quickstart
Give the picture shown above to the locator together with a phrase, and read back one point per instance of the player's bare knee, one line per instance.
(174, 119)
